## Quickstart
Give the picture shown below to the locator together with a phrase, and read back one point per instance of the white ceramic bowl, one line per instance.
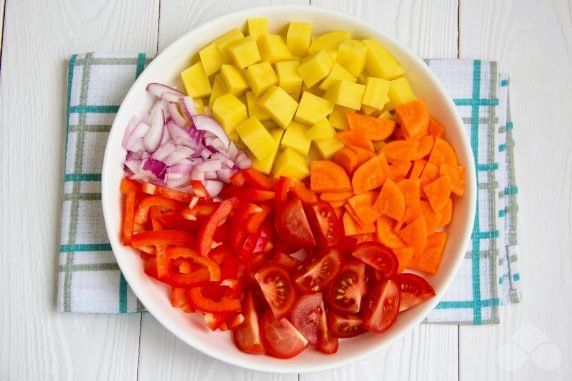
(190, 328)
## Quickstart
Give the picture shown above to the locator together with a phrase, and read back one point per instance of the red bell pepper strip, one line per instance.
(174, 221)
(169, 193)
(200, 209)
(208, 228)
(301, 192)
(163, 238)
(142, 212)
(203, 303)
(195, 278)
(130, 189)
(238, 179)
(162, 263)
(281, 190)
(199, 189)
(246, 193)
(179, 299)
(258, 180)
(255, 220)
(209, 264)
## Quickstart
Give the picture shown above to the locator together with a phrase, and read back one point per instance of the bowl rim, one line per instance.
(471, 189)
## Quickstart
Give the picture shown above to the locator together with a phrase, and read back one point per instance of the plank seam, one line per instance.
(2, 26)
(458, 28)
(139, 346)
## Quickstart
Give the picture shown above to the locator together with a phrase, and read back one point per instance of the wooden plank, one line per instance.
(533, 43)
(37, 342)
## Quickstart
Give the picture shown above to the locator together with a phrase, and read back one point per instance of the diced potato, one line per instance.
(257, 26)
(338, 117)
(196, 82)
(244, 52)
(329, 41)
(225, 40)
(386, 115)
(212, 59)
(273, 48)
(288, 78)
(380, 63)
(346, 93)
(352, 55)
(256, 137)
(400, 91)
(368, 110)
(290, 163)
(321, 130)
(295, 138)
(315, 67)
(328, 147)
(376, 90)
(229, 111)
(337, 72)
(265, 165)
(298, 37)
(218, 89)
(279, 105)
(260, 77)
(312, 109)
(254, 109)
(233, 80)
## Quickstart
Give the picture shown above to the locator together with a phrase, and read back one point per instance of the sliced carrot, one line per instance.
(425, 146)
(361, 204)
(413, 117)
(365, 237)
(432, 218)
(417, 169)
(430, 259)
(337, 204)
(398, 170)
(371, 174)
(355, 138)
(411, 191)
(352, 227)
(435, 128)
(339, 196)
(385, 234)
(390, 201)
(363, 154)
(446, 214)
(373, 128)
(347, 159)
(401, 150)
(430, 173)
(438, 192)
(415, 235)
(404, 256)
(443, 153)
(353, 214)
(457, 176)
(327, 176)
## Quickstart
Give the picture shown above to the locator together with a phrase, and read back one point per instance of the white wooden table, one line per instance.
(532, 40)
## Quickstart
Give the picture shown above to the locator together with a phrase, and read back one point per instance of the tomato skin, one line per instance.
(286, 261)
(345, 325)
(346, 291)
(381, 307)
(280, 338)
(317, 273)
(302, 193)
(325, 224)
(414, 290)
(246, 336)
(292, 224)
(277, 289)
(378, 256)
(306, 315)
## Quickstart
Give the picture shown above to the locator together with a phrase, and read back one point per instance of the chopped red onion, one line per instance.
(164, 150)
(156, 166)
(176, 115)
(243, 161)
(206, 123)
(179, 154)
(210, 165)
(153, 137)
(213, 187)
(133, 122)
(188, 107)
(165, 92)
(211, 175)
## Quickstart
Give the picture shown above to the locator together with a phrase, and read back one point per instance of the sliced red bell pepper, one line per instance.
(238, 179)
(174, 221)
(155, 214)
(281, 190)
(199, 189)
(179, 299)
(195, 278)
(130, 189)
(169, 193)
(163, 238)
(301, 192)
(246, 194)
(238, 224)
(142, 212)
(255, 220)
(220, 253)
(162, 262)
(208, 228)
(258, 180)
(202, 208)
(208, 263)
(230, 268)
(206, 304)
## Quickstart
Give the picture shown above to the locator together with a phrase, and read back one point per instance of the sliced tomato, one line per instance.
(381, 307)
(377, 256)
(208, 228)
(286, 261)
(347, 289)
(414, 290)
(257, 180)
(317, 273)
(292, 224)
(325, 224)
(280, 338)
(346, 245)
(328, 342)
(345, 325)
(309, 316)
(277, 288)
(246, 336)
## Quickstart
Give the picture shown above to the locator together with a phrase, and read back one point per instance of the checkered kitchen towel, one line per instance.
(90, 281)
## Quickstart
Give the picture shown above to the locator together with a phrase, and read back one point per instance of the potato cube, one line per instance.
(233, 80)
(254, 109)
(288, 78)
(315, 67)
(273, 48)
(338, 117)
(368, 110)
(400, 91)
(218, 89)
(256, 137)
(337, 72)
(329, 41)
(328, 147)
(312, 109)
(290, 163)
(279, 105)
(295, 138)
(298, 37)
(196, 82)
(346, 93)
(380, 63)
(352, 55)
(376, 90)
(244, 52)
(225, 40)
(260, 77)
(321, 130)
(229, 111)
(256, 27)
(386, 115)
(212, 59)
(265, 165)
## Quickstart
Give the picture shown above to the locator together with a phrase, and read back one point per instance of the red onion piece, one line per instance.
(176, 180)
(188, 107)
(178, 134)
(163, 151)
(133, 122)
(165, 92)
(210, 165)
(153, 137)
(176, 115)
(225, 174)
(206, 123)
(197, 174)
(184, 169)
(243, 161)
(213, 187)
(179, 154)
(157, 167)
(211, 175)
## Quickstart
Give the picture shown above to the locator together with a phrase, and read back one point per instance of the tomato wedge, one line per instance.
(292, 224)
(317, 273)
(345, 325)
(377, 256)
(247, 336)
(325, 224)
(280, 338)
(414, 290)
(277, 288)
(381, 307)
(347, 289)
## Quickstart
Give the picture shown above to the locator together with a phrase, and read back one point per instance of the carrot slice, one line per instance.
(443, 153)
(457, 176)
(365, 237)
(355, 138)
(413, 117)
(352, 213)
(404, 256)
(361, 204)
(430, 259)
(363, 154)
(411, 191)
(425, 147)
(415, 235)
(347, 159)
(398, 170)
(430, 173)
(337, 204)
(373, 128)
(417, 169)
(385, 234)
(435, 128)
(371, 174)
(438, 192)
(401, 150)
(432, 218)
(327, 176)
(339, 196)
(390, 201)
(352, 227)
(446, 214)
